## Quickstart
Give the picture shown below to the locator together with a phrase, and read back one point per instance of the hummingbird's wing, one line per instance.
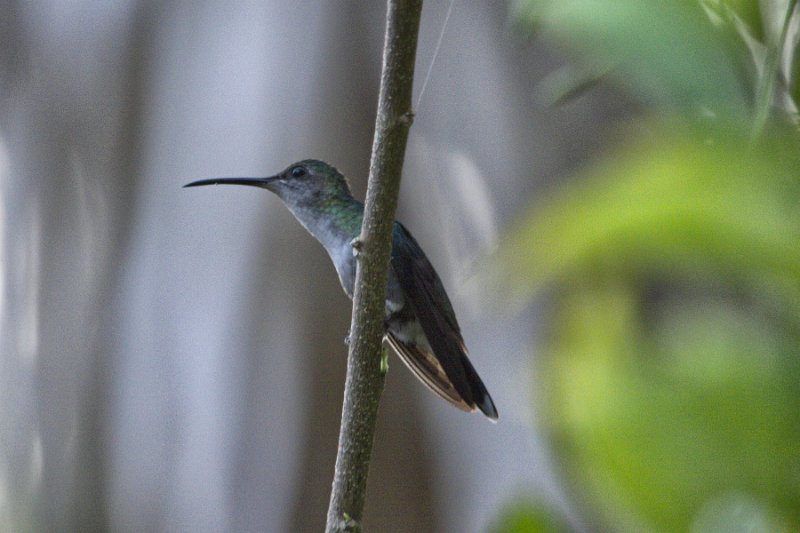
(424, 365)
(447, 371)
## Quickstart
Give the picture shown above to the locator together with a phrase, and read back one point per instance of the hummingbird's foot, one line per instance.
(407, 118)
(384, 361)
(348, 524)
(356, 244)
(347, 339)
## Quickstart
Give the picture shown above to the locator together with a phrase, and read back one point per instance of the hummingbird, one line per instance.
(420, 324)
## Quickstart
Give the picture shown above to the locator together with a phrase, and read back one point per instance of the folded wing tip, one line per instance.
(487, 408)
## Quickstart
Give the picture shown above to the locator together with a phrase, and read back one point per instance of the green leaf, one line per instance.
(657, 421)
(668, 53)
(528, 516)
(677, 201)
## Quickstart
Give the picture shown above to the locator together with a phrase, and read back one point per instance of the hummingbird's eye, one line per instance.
(298, 172)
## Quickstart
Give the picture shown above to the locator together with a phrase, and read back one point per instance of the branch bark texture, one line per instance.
(364, 383)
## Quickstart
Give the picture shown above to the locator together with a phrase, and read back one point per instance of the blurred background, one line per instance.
(608, 188)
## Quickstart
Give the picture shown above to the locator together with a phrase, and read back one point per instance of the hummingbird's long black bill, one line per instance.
(253, 182)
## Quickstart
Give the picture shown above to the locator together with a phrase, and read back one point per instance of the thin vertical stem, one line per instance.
(364, 383)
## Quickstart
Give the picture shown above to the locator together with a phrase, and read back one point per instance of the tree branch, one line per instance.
(364, 382)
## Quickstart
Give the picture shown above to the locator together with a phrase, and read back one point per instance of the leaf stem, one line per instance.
(766, 86)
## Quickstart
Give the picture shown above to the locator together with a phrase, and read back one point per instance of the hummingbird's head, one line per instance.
(307, 183)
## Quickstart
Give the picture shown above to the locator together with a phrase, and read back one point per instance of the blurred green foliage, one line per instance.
(670, 372)
(523, 516)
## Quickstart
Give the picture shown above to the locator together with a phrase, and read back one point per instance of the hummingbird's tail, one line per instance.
(423, 363)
